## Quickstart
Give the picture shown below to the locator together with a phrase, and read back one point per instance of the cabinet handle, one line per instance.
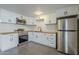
(65, 12)
(52, 43)
(49, 21)
(36, 36)
(11, 39)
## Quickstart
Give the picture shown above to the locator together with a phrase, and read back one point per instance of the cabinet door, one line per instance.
(31, 21)
(4, 16)
(61, 12)
(31, 36)
(72, 10)
(5, 42)
(36, 37)
(67, 11)
(15, 39)
(44, 39)
(51, 19)
(8, 41)
(8, 16)
(52, 40)
(12, 17)
(41, 38)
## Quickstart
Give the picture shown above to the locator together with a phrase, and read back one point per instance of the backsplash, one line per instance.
(13, 27)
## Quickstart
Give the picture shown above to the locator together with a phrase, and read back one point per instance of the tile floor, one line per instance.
(31, 48)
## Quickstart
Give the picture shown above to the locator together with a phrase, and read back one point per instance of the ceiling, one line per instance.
(29, 9)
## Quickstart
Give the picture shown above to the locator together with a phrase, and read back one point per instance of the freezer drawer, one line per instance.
(72, 42)
(67, 42)
(60, 41)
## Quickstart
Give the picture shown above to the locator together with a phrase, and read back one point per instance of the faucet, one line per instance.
(39, 28)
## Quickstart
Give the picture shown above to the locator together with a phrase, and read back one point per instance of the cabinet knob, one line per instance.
(11, 38)
(65, 12)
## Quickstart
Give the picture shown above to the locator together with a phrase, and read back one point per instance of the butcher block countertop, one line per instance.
(27, 31)
(4, 33)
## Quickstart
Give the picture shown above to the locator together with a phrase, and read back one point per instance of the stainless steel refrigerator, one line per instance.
(67, 34)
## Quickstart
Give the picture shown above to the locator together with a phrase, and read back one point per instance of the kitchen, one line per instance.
(42, 29)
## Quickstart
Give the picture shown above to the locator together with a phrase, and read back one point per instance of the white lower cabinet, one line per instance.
(8, 41)
(52, 40)
(30, 36)
(43, 38)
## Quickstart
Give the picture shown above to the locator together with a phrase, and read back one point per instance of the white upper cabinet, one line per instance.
(8, 16)
(51, 19)
(31, 21)
(73, 10)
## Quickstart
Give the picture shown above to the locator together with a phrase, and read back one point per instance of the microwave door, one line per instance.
(61, 24)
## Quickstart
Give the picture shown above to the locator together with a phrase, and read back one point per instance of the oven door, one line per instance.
(23, 38)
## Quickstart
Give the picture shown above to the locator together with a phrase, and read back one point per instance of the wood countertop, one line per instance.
(4, 33)
(44, 32)
(41, 32)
